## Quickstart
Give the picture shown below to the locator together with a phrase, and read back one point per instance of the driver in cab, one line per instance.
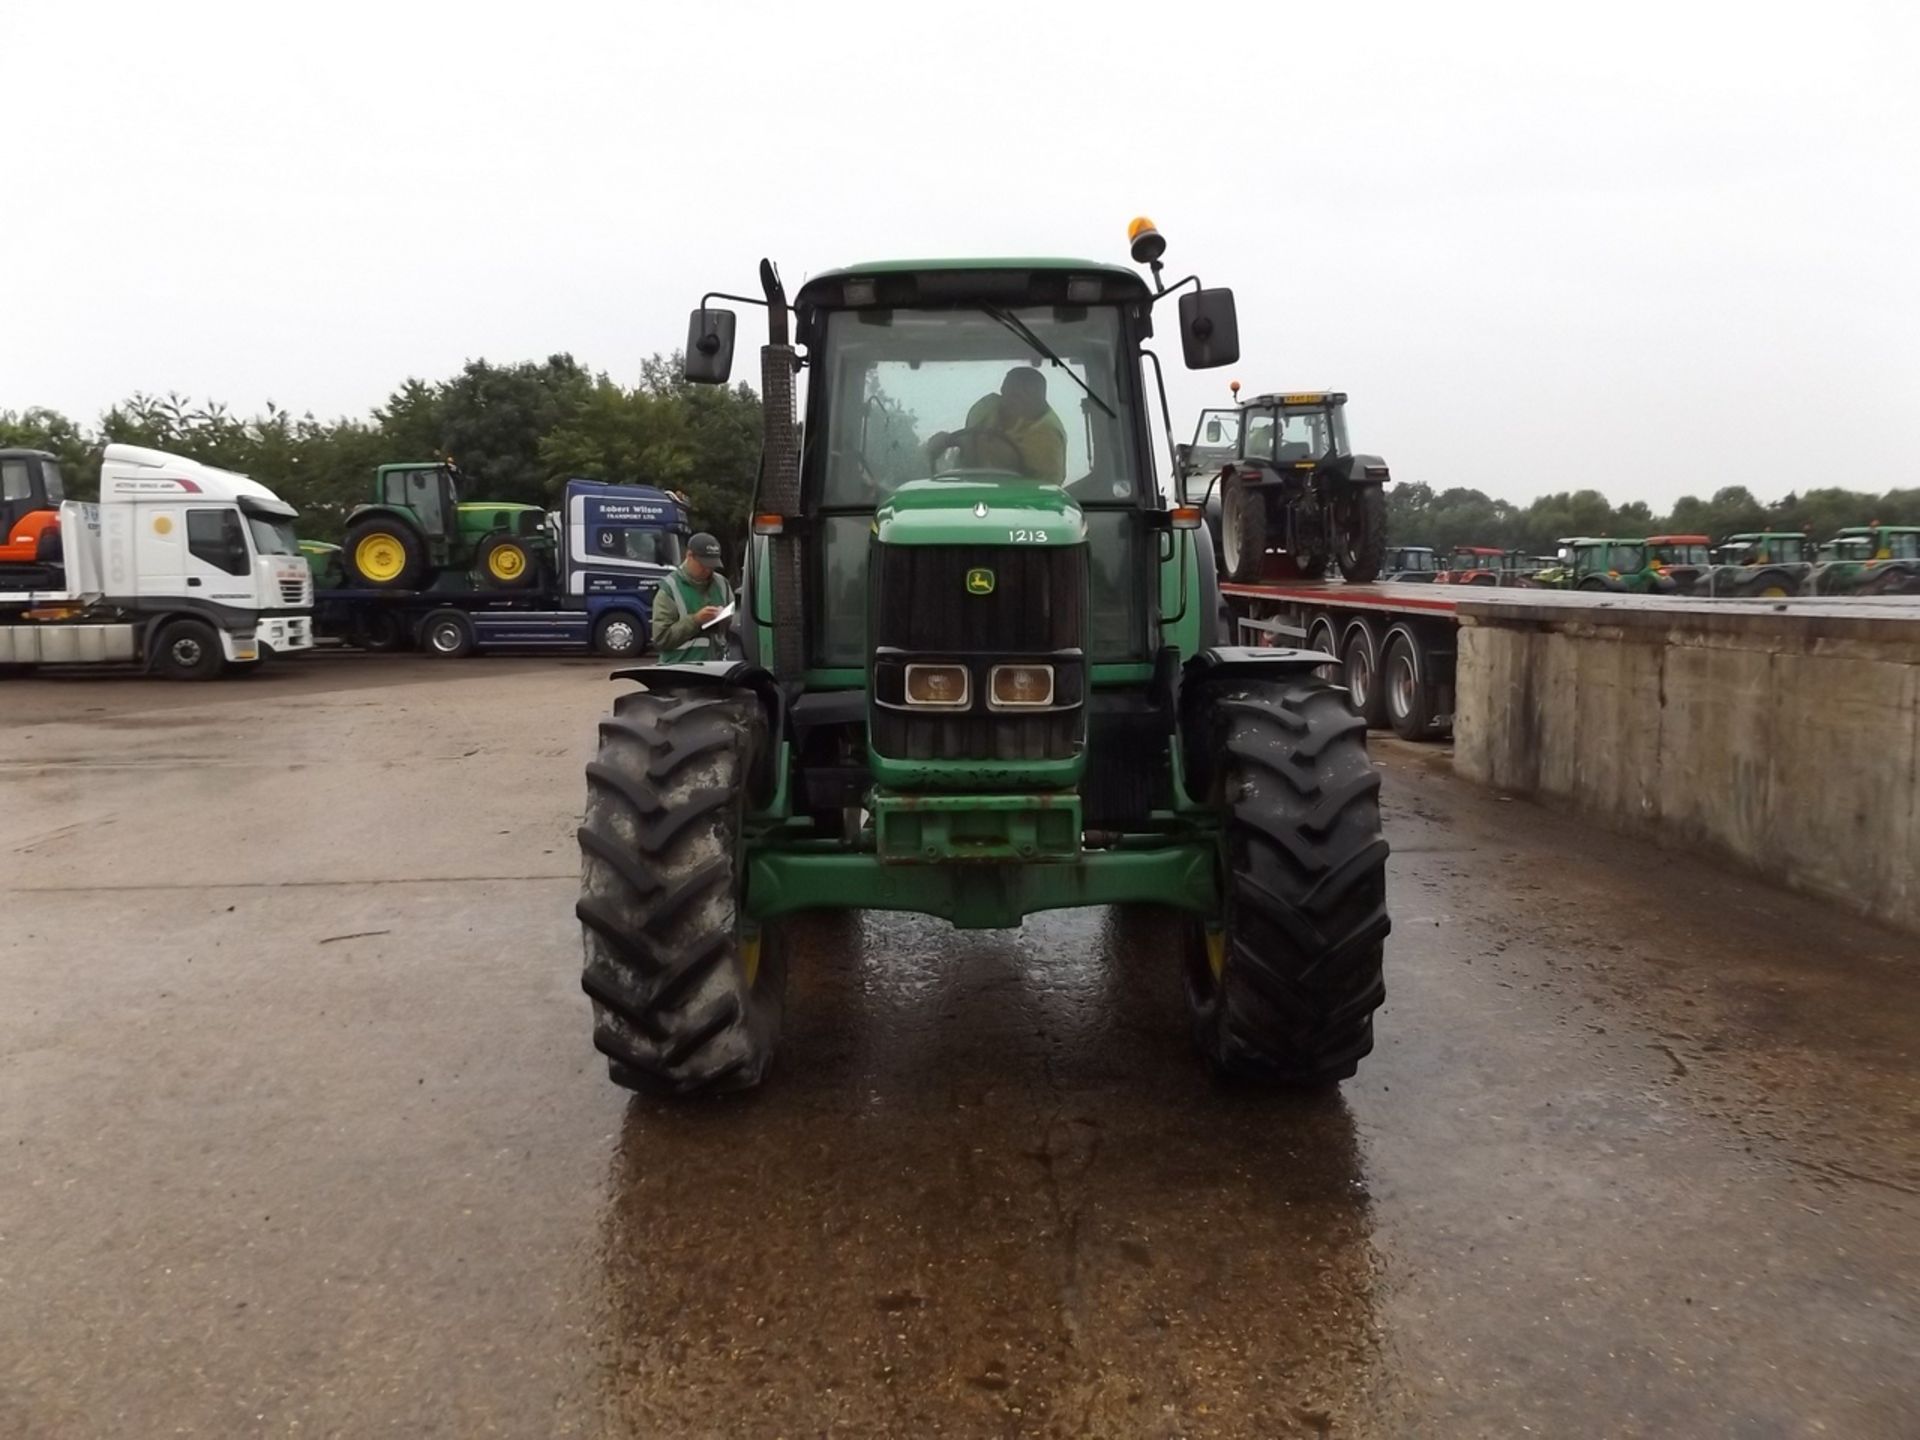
(1014, 429)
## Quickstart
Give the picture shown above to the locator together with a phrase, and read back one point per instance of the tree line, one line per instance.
(517, 431)
(520, 430)
(1419, 515)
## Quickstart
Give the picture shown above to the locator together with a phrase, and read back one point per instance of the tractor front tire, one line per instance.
(505, 562)
(383, 555)
(686, 993)
(1283, 990)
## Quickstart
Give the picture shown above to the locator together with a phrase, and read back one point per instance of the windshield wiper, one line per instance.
(1020, 328)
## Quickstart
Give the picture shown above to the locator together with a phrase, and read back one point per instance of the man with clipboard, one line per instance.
(693, 607)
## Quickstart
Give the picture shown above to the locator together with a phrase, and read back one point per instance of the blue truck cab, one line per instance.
(612, 546)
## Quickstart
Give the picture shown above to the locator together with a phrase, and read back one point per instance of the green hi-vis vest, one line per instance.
(710, 645)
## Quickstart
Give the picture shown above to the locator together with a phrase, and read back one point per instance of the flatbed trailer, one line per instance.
(452, 624)
(1393, 642)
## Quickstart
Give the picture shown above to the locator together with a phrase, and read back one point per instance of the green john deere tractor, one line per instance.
(1870, 560)
(982, 676)
(1592, 562)
(418, 535)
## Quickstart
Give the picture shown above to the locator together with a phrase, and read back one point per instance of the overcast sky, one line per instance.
(1651, 250)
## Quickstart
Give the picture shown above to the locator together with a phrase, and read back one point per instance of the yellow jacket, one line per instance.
(1042, 442)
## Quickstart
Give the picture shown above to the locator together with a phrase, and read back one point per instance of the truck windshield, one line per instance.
(273, 537)
(1417, 560)
(651, 547)
(913, 394)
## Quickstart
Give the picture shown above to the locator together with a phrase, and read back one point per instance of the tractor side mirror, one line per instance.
(709, 356)
(1209, 329)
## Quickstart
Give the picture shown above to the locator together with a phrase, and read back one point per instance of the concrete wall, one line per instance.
(1786, 737)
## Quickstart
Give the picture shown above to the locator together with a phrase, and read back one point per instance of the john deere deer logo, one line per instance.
(980, 582)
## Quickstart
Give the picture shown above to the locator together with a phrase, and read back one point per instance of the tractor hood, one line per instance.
(983, 509)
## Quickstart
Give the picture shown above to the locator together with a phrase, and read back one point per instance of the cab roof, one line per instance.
(1300, 397)
(947, 281)
(1679, 539)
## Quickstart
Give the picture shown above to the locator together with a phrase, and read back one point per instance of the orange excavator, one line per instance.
(30, 496)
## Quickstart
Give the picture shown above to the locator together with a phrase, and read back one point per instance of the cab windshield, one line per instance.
(273, 537)
(1417, 560)
(1681, 554)
(651, 547)
(971, 394)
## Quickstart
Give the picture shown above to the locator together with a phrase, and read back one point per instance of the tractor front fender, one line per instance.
(718, 675)
(1220, 666)
(392, 514)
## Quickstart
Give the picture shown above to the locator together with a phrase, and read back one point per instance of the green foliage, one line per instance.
(520, 430)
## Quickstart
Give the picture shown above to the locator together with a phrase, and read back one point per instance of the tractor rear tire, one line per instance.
(383, 555)
(505, 562)
(686, 995)
(1285, 989)
(1243, 530)
(1360, 533)
(187, 650)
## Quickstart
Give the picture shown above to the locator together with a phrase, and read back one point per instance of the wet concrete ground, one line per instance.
(300, 1132)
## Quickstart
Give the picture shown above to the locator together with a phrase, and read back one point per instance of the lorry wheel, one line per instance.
(686, 991)
(1360, 531)
(384, 555)
(1320, 637)
(187, 650)
(1404, 688)
(1284, 988)
(618, 635)
(1243, 529)
(377, 633)
(448, 634)
(503, 562)
(1360, 672)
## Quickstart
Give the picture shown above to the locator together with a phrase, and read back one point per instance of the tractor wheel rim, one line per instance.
(379, 557)
(507, 562)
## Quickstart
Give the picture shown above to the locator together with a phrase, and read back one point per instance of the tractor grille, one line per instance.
(921, 609)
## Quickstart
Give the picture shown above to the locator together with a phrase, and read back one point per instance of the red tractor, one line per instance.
(1480, 565)
(30, 496)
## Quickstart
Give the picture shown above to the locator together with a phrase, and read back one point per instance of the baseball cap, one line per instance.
(705, 548)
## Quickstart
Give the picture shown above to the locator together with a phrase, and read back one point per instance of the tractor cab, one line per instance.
(1414, 563)
(1477, 565)
(1765, 547)
(1300, 430)
(1884, 542)
(30, 495)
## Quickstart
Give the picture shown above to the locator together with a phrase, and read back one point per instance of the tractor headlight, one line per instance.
(1016, 687)
(939, 687)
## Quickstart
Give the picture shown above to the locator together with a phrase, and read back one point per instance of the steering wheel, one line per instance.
(977, 433)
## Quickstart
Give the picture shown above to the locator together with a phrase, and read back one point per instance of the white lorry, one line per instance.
(185, 569)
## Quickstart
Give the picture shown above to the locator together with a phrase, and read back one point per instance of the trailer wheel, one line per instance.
(1284, 988)
(448, 634)
(1360, 672)
(187, 650)
(377, 633)
(1406, 687)
(686, 991)
(1320, 637)
(618, 635)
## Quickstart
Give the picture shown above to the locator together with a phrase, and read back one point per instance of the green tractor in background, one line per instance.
(418, 535)
(1759, 564)
(1870, 560)
(1597, 562)
(983, 676)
